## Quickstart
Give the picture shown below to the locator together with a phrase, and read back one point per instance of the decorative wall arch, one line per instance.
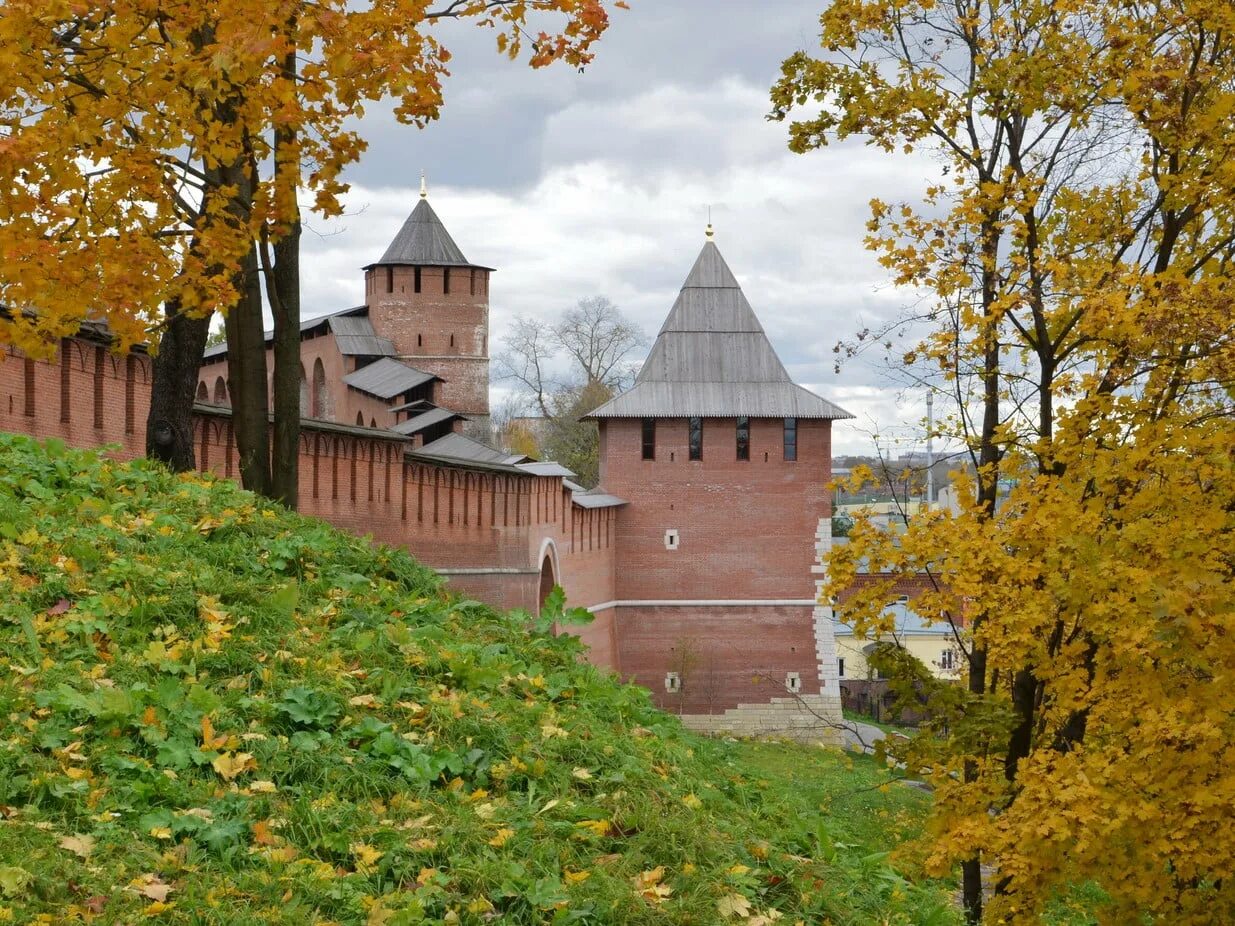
(220, 391)
(549, 574)
(304, 394)
(321, 393)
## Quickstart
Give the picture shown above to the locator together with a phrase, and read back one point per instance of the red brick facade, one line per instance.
(742, 563)
(442, 328)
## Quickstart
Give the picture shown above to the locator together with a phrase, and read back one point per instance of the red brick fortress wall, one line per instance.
(483, 528)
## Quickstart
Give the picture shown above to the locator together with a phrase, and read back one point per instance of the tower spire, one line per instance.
(708, 232)
(424, 187)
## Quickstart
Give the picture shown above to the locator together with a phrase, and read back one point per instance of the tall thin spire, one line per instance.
(424, 187)
(708, 231)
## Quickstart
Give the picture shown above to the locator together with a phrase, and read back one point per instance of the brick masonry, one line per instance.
(747, 544)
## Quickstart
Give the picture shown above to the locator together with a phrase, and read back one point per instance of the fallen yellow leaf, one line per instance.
(229, 765)
(78, 845)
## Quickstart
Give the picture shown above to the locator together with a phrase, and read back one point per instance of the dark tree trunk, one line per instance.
(286, 462)
(246, 368)
(173, 387)
(283, 287)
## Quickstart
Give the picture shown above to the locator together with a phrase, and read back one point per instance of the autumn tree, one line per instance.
(1075, 253)
(567, 368)
(156, 153)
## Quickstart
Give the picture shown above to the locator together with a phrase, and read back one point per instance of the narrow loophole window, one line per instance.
(791, 439)
(696, 438)
(649, 438)
(743, 438)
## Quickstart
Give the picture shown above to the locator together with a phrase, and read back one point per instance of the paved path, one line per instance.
(862, 736)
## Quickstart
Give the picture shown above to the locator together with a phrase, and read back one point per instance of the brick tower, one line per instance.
(433, 303)
(724, 462)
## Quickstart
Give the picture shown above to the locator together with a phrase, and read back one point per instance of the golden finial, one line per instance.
(424, 188)
(708, 231)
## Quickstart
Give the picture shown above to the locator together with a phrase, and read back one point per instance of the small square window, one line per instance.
(793, 682)
(673, 682)
(672, 540)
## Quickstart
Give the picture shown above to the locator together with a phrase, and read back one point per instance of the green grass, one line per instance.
(215, 711)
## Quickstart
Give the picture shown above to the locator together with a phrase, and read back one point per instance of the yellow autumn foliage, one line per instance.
(1070, 264)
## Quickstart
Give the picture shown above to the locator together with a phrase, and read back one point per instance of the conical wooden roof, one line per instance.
(424, 241)
(712, 359)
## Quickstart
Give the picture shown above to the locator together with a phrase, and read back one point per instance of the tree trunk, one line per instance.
(173, 387)
(246, 370)
(286, 462)
(283, 287)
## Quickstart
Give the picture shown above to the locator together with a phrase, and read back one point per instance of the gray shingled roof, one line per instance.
(596, 500)
(387, 378)
(423, 240)
(425, 419)
(456, 447)
(355, 336)
(546, 468)
(307, 325)
(712, 359)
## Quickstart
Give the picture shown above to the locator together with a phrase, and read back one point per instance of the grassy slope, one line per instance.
(217, 712)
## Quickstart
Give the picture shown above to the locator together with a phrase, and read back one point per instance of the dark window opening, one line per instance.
(840, 667)
(743, 438)
(452, 340)
(446, 281)
(416, 279)
(791, 439)
(390, 279)
(696, 438)
(649, 438)
(420, 340)
(472, 283)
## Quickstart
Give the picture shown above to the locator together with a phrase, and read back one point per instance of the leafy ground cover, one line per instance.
(215, 711)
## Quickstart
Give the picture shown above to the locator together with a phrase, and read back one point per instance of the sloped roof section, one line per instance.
(425, 419)
(460, 449)
(387, 378)
(423, 240)
(546, 468)
(355, 336)
(713, 359)
(307, 325)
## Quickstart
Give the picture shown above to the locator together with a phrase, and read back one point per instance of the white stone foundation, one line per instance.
(809, 718)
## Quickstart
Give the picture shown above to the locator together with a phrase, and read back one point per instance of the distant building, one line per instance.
(936, 645)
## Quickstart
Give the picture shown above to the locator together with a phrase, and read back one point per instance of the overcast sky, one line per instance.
(598, 183)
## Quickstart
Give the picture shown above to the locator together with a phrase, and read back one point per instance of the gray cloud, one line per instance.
(576, 184)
